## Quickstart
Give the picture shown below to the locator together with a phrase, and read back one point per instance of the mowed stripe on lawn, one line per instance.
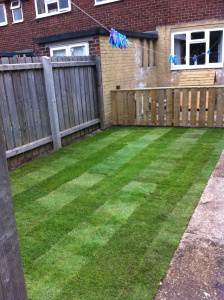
(104, 218)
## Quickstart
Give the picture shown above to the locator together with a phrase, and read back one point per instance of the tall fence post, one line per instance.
(100, 91)
(51, 100)
(12, 282)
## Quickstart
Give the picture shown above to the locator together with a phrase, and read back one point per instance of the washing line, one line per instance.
(142, 47)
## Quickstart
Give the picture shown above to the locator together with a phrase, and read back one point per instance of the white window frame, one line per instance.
(68, 47)
(104, 2)
(15, 7)
(206, 40)
(19, 6)
(60, 11)
(6, 21)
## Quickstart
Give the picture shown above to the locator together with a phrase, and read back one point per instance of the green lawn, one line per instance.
(101, 219)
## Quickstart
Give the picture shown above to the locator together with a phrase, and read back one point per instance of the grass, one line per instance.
(101, 219)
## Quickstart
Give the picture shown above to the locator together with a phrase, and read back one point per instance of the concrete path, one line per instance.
(197, 268)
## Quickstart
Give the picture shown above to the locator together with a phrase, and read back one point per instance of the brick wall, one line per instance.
(136, 15)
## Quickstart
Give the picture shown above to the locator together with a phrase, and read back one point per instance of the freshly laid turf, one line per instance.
(101, 219)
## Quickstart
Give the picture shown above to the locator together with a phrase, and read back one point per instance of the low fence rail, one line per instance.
(169, 106)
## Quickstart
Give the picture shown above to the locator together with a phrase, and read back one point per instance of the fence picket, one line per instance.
(6, 122)
(211, 107)
(193, 121)
(185, 101)
(125, 108)
(120, 108)
(131, 107)
(202, 107)
(114, 107)
(153, 107)
(176, 112)
(12, 105)
(138, 108)
(220, 107)
(161, 107)
(146, 108)
(169, 107)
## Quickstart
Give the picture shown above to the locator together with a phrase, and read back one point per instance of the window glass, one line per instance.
(61, 52)
(52, 7)
(180, 48)
(41, 7)
(17, 15)
(2, 14)
(197, 35)
(15, 4)
(215, 46)
(198, 50)
(63, 4)
(78, 51)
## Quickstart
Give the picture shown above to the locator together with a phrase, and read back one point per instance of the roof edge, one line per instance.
(90, 32)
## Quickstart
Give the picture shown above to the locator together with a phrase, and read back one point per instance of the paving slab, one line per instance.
(197, 268)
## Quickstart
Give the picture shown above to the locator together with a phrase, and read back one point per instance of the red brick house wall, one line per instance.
(134, 15)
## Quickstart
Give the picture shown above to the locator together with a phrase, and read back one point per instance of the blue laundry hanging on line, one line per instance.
(170, 58)
(174, 59)
(118, 40)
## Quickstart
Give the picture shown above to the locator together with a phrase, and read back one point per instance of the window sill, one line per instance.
(197, 67)
(3, 24)
(53, 14)
(17, 22)
(105, 2)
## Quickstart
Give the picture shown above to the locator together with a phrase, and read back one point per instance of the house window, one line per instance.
(3, 17)
(197, 49)
(71, 50)
(46, 8)
(99, 2)
(17, 13)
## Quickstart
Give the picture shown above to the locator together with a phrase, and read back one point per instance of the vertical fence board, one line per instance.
(27, 102)
(20, 103)
(91, 92)
(153, 107)
(176, 112)
(161, 107)
(41, 94)
(63, 94)
(5, 115)
(211, 107)
(146, 108)
(114, 107)
(12, 105)
(125, 108)
(34, 101)
(139, 107)
(193, 107)
(131, 107)
(87, 93)
(74, 93)
(185, 101)
(79, 99)
(120, 107)
(202, 107)
(169, 107)
(220, 107)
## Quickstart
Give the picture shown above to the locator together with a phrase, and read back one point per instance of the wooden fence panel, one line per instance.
(154, 107)
(12, 105)
(169, 107)
(114, 108)
(220, 107)
(176, 112)
(139, 108)
(202, 107)
(131, 107)
(6, 122)
(211, 107)
(146, 108)
(120, 108)
(185, 102)
(42, 99)
(161, 107)
(125, 108)
(193, 120)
